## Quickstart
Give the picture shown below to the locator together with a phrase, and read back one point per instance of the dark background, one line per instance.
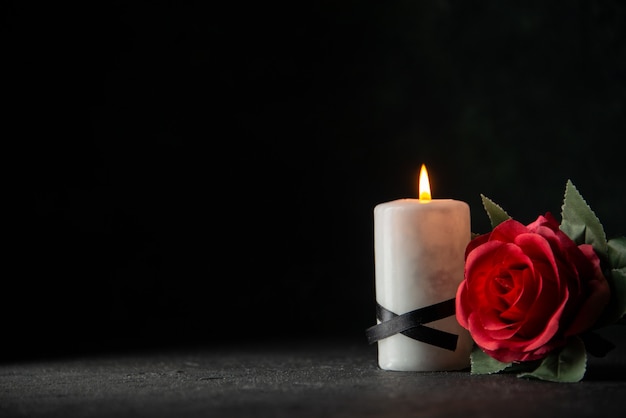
(200, 172)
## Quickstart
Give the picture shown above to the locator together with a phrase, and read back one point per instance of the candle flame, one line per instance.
(424, 184)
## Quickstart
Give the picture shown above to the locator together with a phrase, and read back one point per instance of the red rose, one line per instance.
(528, 288)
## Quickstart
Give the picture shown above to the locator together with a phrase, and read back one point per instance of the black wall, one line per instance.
(201, 173)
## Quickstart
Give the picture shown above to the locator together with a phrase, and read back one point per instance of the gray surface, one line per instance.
(332, 379)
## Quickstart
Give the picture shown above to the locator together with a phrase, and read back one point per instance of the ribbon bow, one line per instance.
(411, 325)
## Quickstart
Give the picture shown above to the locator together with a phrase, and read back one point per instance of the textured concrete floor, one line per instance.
(324, 379)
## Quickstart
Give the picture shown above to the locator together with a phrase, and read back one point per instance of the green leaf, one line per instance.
(496, 214)
(617, 252)
(580, 223)
(482, 363)
(568, 365)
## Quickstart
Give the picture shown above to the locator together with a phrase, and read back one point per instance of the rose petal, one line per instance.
(462, 311)
(482, 259)
(507, 231)
(479, 240)
(599, 294)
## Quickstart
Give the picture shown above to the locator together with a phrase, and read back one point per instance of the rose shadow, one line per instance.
(605, 373)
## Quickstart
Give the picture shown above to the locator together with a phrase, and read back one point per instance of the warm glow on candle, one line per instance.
(424, 184)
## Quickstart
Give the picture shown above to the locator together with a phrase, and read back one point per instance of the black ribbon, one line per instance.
(411, 325)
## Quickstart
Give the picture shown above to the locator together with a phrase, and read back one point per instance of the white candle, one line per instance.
(419, 247)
